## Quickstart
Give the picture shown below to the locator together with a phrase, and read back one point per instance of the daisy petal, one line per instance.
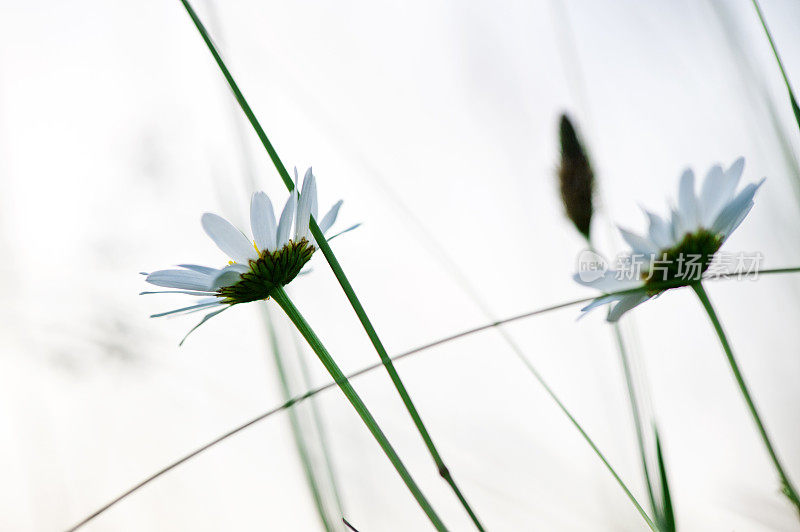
(659, 231)
(611, 281)
(285, 225)
(732, 176)
(734, 212)
(726, 192)
(200, 309)
(202, 269)
(205, 319)
(676, 226)
(208, 302)
(711, 201)
(307, 199)
(731, 227)
(189, 292)
(262, 222)
(687, 202)
(625, 304)
(314, 205)
(340, 233)
(228, 276)
(597, 302)
(227, 238)
(181, 279)
(330, 218)
(639, 244)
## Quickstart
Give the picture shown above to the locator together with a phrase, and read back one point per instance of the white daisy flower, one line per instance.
(274, 257)
(695, 230)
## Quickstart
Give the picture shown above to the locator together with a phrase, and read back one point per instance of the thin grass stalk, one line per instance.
(591, 443)
(280, 296)
(425, 347)
(297, 431)
(792, 99)
(348, 525)
(751, 80)
(638, 423)
(666, 520)
(577, 185)
(319, 484)
(443, 470)
(322, 433)
(637, 417)
(787, 487)
(577, 82)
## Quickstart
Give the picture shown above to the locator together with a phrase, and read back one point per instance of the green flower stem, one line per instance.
(786, 485)
(336, 268)
(792, 99)
(282, 299)
(297, 429)
(322, 432)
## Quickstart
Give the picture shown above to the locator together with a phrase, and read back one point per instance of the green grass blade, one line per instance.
(757, 91)
(787, 487)
(300, 398)
(251, 117)
(591, 443)
(666, 515)
(321, 434)
(297, 430)
(635, 413)
(308, 435)
(282, 299)
(792, 99)
(348, 525)
(444, 472)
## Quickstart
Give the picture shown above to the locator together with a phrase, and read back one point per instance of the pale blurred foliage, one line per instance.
(436, 122)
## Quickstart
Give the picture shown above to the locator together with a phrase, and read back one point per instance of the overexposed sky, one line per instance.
(436, 122)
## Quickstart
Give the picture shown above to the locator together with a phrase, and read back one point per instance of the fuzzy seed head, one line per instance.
(576, 178)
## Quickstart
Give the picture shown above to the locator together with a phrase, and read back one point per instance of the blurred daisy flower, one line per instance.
(679, 248)
(274, 257)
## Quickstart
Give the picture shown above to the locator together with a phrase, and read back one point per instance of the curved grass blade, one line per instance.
(300, 398)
